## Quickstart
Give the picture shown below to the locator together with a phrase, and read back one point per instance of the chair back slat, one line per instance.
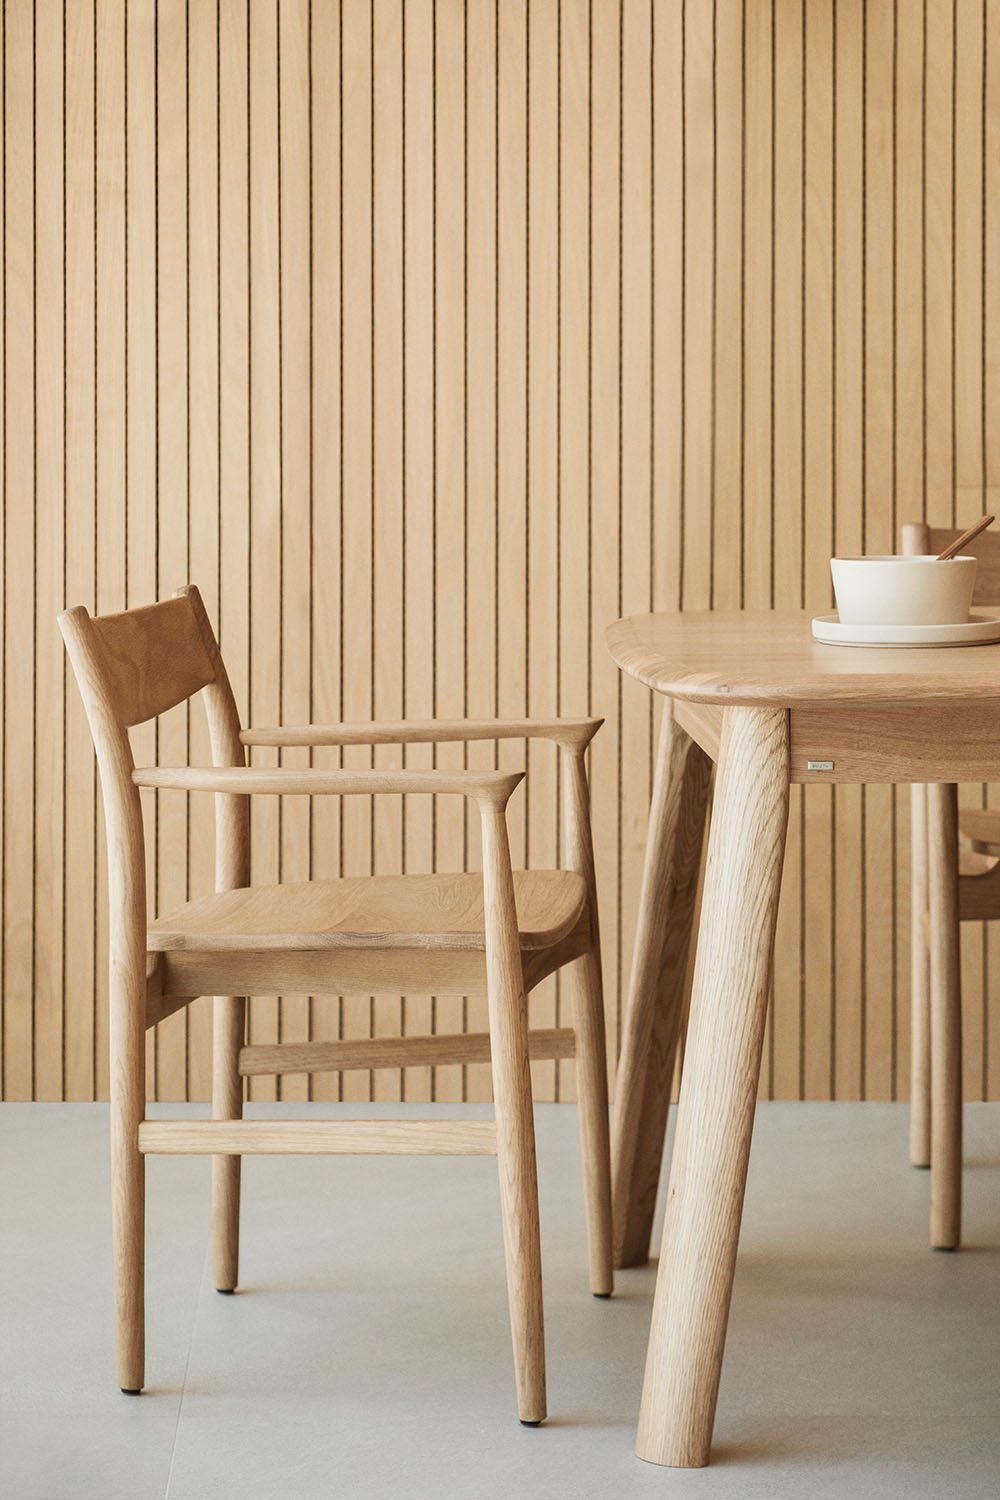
(919, 539)
(153, 658)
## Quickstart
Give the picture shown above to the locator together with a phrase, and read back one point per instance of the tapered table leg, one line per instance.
(945, 1017)
(656, 989)
(719, 1090)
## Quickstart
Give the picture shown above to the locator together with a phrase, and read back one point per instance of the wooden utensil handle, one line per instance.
(967, 536)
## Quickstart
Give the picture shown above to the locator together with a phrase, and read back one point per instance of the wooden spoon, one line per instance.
(966, 537)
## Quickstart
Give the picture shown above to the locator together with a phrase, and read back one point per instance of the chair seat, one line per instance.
(979, 829)
(371, 911)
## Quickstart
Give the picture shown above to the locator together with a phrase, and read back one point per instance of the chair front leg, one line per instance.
(228, 1032)
(127, 1027)
(514, 1119)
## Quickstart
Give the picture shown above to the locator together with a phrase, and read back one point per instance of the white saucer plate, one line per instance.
(979, 630)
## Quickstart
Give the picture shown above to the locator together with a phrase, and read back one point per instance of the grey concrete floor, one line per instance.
(367, 1353)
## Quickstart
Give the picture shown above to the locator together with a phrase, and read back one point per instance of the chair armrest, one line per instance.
(488, 788)
(569, 733)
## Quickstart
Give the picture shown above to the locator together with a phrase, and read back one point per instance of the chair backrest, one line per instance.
(920, 539)
(129, 668)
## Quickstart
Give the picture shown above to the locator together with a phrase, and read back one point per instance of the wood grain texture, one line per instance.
(606, 309)
(319, 1137)
(657, 987)
(135, 660)
(718, 1094)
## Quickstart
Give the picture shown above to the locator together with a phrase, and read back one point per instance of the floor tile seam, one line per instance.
(187, 1365)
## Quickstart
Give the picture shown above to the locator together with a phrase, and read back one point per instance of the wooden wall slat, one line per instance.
(171, 476)
(427, 348)
(636, 442)
(203, 444)
(387, 473)
(80, 977)
(325, 580)
(786, 358)
(818, 828)
(141, 419)
(18, 904)
(604, 478)
(447, 591)
(573, 387)
(420, 1012)
(297, 497)
(848, 406)
(49, 556)
(357, 500)
(542, 457)
(881, 524)
(481, 198)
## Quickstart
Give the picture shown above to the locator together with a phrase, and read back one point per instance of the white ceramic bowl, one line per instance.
(903, 590)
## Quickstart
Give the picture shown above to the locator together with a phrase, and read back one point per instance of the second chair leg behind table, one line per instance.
(945, 1017)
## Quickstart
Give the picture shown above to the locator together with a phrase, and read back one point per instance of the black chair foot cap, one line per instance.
(603, 1296)
(531, 1424)
(226, 1291)
(946, 1249)
(127, 1391)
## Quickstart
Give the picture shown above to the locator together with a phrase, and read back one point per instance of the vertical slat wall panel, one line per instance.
(141, 421)
(428, 336)
(481, 334)
(19, 913)
(203, 439)
(881, 525)
(787, 1038)
(359, 311)
(848, 405)
(818, 815)
(171, 476)
(267, 520)
(448, 536)
(325, 473)
(417, 443)
(49, 554)
(296, 436)
(79, 969)
(387, 472)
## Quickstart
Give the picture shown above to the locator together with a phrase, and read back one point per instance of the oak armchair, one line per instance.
(498, 934)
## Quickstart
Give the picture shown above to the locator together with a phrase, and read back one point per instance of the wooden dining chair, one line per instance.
(936, 1001)
(499, 934)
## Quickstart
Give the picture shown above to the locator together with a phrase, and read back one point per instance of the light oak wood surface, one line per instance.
(371, 911)
(653, 1020)
(754, 317)
(768, 658)
(362, 934)
(719, 1091)
(319, 1137)
(757, 693)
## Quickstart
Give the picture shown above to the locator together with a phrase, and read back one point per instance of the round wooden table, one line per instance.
(756, 694)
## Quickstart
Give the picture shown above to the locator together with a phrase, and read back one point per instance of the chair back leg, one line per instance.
(595, 1134)
(228, 1031)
